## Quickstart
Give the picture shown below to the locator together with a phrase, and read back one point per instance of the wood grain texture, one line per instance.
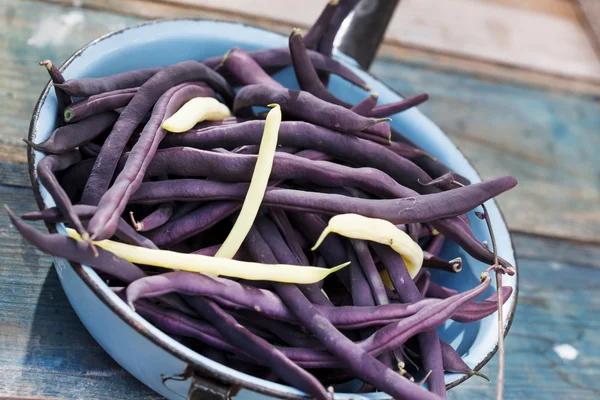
(547, 140)
(589, 12)
(499, 33)
(14, 174)
(31, 32)
(449, 63)
(561, 10)
(45, 352)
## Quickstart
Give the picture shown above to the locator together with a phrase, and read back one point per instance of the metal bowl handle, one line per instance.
(366, 29)
(204, 388)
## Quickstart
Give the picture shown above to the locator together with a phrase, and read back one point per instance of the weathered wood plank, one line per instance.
(547, 140)
(590, 15)
(556, 251)
(445, 62)
(557, 8)
(11, 151)
(14, 174)
(560, 9)
(555, 308)
(59, 32)
(498, 33)
(44, 350)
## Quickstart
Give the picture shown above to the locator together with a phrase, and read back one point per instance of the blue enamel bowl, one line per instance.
(154, 358)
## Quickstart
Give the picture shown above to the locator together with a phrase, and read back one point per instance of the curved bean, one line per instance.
(281, 58)
(62, 246)
(306, 74)
(194, 111)
(92, 86)
(57, 78)
(385, 110)
(112, 203)
(234, 295)
(305, 135)
(429, 343)
(453, 362)
(310, 108)
(423, 208)
(68, 137)
(246, 70)
(98, 103)
(156, 218)
(365, 106)
(45, 169)
(236, 167)
(124, 231)
(144, 99)
(318, 29)
(477, 310)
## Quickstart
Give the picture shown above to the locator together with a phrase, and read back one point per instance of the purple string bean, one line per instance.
(306, 74)
(246, 70)
(57, 78)
(310, 108)
(112, 203)
(423, 208)
(281, 58)
(124, 231)
(429, 343)
(98, 103)
(144, 99)
(45, 169)
(68, 137)
(92, 86)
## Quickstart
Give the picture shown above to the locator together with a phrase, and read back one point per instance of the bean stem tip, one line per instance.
(69, 114)
(47, 64)
(138, 226)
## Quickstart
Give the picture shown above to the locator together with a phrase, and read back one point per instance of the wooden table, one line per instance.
(541, 127)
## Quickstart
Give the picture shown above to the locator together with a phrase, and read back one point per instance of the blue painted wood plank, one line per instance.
(44, 349)
(557, 306)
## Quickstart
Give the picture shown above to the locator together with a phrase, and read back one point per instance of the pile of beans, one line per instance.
(116, 173)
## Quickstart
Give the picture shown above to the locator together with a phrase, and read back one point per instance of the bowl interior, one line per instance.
(166, 42)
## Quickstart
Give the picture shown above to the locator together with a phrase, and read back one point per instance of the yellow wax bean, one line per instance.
(356, 226)
(257, 187)
(387, 281)
(196, 110)
(214, 266)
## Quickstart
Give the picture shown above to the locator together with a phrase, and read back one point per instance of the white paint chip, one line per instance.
(566, 351)
(54, 31)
